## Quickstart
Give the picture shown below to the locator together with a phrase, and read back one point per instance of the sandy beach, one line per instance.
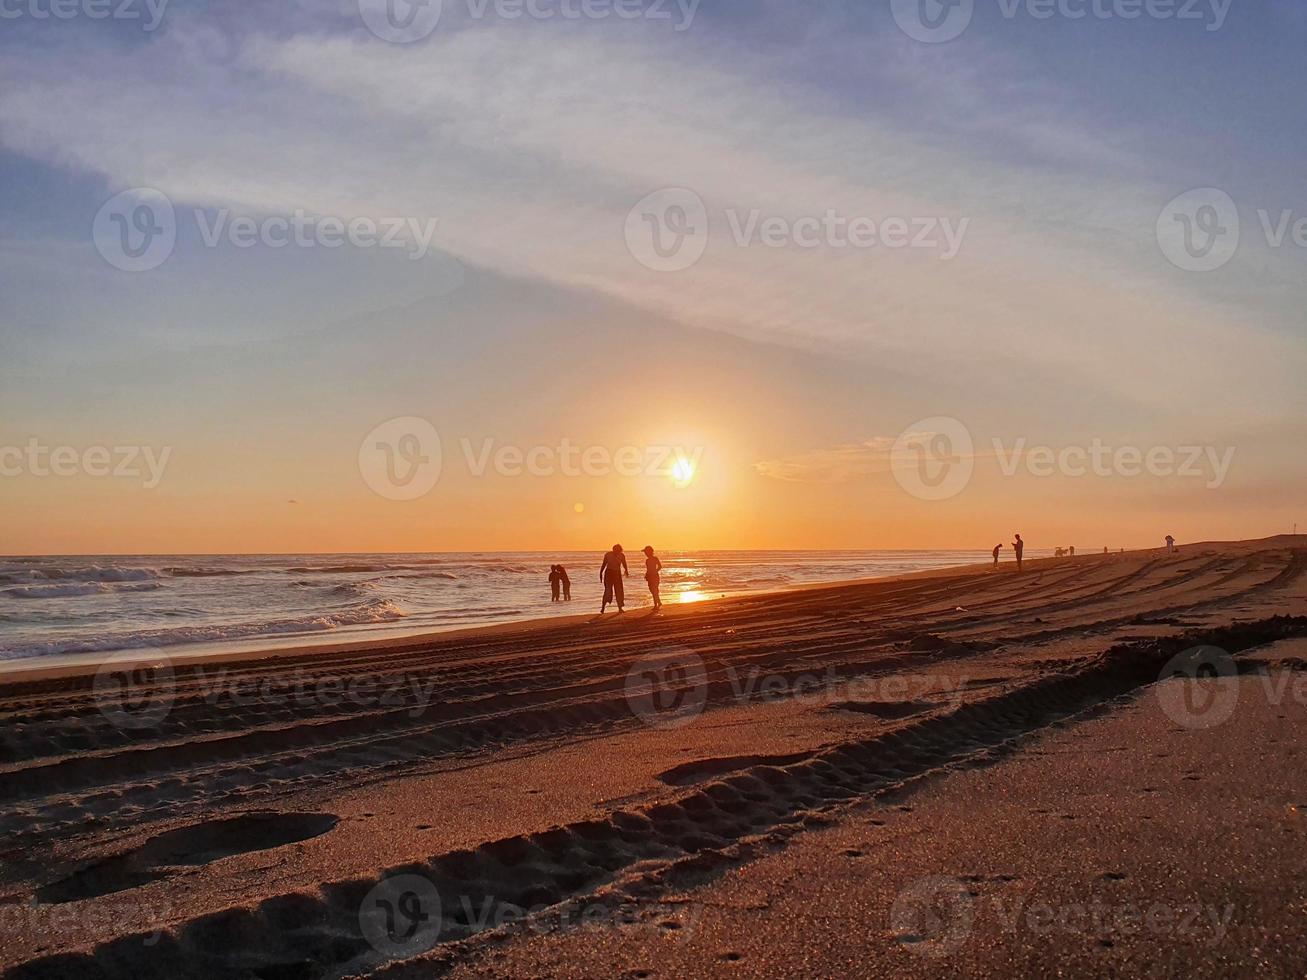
(959, 772)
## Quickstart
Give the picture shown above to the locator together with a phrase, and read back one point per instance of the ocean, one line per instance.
(60, 605)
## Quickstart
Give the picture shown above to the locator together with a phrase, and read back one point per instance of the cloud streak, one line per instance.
(530, 154)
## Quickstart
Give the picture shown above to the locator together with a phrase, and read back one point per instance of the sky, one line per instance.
(793, 275)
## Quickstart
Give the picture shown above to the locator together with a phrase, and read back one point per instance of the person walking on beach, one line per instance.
(1019, 547)
(610, 573)
(554, 582)
(566, 583)
(652, 565)
(997, 549)
(1170, 545)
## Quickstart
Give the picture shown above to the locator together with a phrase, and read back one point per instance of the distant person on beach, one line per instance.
(1072, 551)
(566, 582)
(554, 582)
(652, 566)
(610, 573)
(1170, 545)
(1019, 547)
(997, 549)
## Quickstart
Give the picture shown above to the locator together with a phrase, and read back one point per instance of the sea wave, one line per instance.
(68, 590)
(354, 567)
(181, 572)
(382, 611)
(85, 573)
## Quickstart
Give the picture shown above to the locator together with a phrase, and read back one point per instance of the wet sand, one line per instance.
(688, 784)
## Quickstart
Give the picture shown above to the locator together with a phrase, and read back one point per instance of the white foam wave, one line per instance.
(382, 611)
(74, 589)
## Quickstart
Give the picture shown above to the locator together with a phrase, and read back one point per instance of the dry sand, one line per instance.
(963, 773)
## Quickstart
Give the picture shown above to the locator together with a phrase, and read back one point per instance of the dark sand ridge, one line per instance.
(509, 766)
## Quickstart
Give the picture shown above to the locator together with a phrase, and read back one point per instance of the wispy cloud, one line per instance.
(834, 464)
(530, 155)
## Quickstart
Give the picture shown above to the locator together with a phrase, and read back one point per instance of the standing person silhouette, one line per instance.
(610, 573)
(566, 582)
(652, 565)
(997, 549)
(554, 582)
(1019, 547)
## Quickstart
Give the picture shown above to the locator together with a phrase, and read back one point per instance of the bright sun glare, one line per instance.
(682, 472)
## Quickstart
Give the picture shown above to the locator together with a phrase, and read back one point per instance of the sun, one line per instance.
(682, 472)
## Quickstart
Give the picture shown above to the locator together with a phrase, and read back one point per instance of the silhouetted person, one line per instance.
(610, 573)
(554, 582)
(997, 549)
(1072, 550)
(652, 566)
(1019, 547)
(1170, 545)
(566, 583)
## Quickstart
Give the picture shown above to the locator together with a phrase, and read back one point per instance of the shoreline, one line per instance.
(57, 666)
(246, 604)
(62, 666)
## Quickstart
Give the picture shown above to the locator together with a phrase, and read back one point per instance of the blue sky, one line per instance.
(1060, 141)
